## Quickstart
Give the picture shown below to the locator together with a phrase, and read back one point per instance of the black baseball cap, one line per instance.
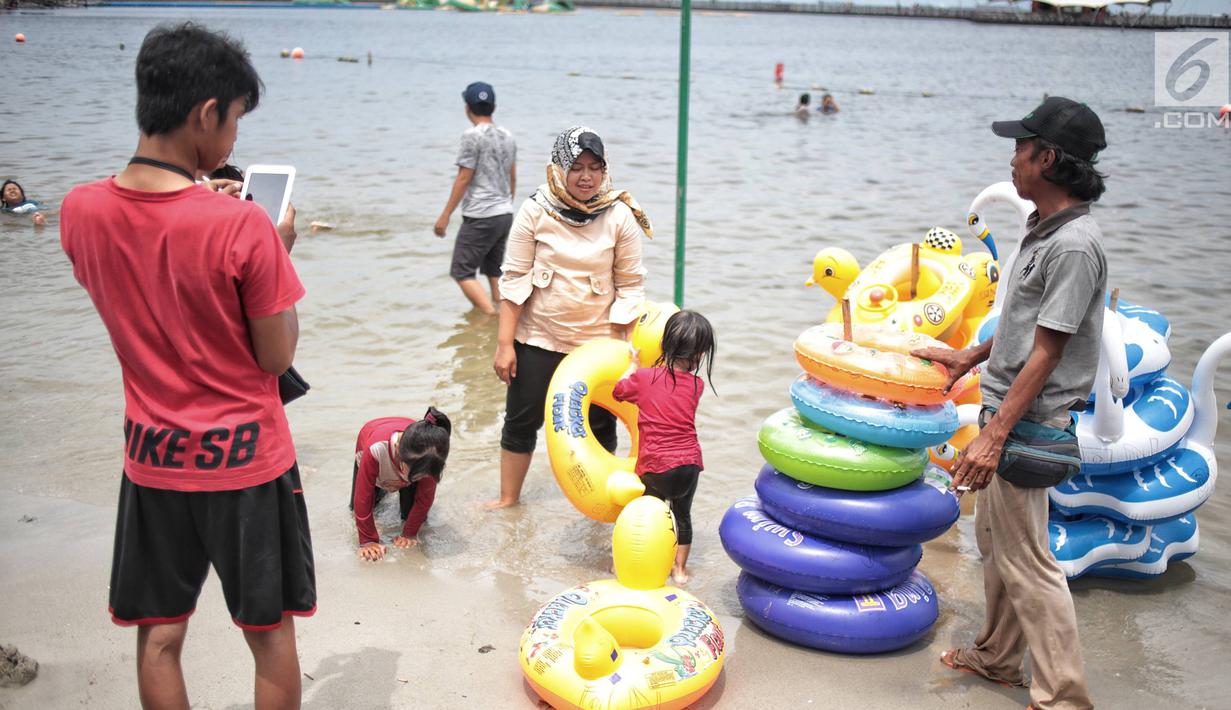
(479, 93)
(1068, 124)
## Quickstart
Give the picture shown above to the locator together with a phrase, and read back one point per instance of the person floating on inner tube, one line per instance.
(403, 455)
(666, 395)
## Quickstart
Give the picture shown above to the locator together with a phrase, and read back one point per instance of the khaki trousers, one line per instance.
(1028, 601)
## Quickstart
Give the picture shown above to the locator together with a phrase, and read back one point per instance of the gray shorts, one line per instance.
(480, 246)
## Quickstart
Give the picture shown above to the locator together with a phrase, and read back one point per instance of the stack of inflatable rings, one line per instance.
(830, 542)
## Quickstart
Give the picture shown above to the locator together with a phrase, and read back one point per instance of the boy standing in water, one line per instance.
(197, 291)
(484, 186)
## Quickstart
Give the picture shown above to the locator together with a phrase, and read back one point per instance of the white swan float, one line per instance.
(1169, 488)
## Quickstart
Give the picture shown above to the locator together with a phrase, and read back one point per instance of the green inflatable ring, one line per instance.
(811, 454)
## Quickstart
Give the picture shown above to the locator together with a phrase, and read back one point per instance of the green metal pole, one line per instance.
(681, 160)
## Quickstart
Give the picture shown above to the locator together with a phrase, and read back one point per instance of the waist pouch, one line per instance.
(1039, 456)
(291, 386)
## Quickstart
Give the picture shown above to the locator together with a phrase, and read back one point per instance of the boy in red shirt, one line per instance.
(666, 395)
(398, 454)
(198, 294)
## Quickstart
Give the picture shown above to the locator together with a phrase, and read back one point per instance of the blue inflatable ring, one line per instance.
(915, 513)
(874, 420)
(869, 623)
(782, 555)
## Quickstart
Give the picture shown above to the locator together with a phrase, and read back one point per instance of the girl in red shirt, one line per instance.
(403, 455)
(666, 395)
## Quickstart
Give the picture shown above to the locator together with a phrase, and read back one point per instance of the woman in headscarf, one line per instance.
(572, 273)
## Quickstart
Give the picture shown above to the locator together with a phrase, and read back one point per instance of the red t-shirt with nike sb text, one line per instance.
(175, 276)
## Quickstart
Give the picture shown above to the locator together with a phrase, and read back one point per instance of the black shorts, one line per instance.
(480, 246)
(256, 538)
(526, 399)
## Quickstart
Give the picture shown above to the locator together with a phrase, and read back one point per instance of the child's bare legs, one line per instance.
(277, 667)
(678, 573)
(160, 678)
(513, 469)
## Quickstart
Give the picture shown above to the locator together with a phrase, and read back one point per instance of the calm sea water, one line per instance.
(385, 331)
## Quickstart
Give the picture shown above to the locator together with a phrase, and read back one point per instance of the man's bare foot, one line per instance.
(498, 504)
(679, 575)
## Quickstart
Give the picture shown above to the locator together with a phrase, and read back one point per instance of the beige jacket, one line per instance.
(575, 282)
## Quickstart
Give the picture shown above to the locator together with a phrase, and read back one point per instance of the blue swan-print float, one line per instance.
(1173, 541)
(1082, 543)
(1169, 488)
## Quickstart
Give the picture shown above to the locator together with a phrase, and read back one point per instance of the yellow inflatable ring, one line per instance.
(594, 480)
(877, 363)
(626, 643)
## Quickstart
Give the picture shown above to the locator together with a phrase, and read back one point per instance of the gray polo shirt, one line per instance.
(1057, 282)
(490, 152)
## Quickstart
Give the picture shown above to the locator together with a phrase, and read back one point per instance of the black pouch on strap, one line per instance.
(291, 386)
(1039, 456)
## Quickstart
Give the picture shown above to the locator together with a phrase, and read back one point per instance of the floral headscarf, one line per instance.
(554, 196)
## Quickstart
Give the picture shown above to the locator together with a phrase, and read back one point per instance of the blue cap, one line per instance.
(479, 93)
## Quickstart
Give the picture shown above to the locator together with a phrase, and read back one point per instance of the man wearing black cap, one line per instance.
(484, 186)
(1040, 366)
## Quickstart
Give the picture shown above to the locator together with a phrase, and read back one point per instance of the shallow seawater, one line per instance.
(385, 331)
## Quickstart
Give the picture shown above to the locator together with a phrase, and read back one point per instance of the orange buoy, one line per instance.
(297, 53)
(779, 69)
(20, 37)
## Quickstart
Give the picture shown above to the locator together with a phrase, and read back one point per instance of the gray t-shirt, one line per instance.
(490, 152)
(1057, 282)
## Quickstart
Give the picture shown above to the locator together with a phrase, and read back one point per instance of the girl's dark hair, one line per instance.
(179, 66)
(227, 172)
(1079, 177)
(688, 339)
(19, 187)
(805, 99)
(424, 445)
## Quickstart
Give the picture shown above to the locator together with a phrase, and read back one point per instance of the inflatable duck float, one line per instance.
(597, 482)
(630, 642)
(952, 294)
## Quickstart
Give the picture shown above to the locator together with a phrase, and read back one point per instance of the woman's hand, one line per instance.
(372, 552)
(39, 219)
(403, 543)
(505, 363)
(957, 362)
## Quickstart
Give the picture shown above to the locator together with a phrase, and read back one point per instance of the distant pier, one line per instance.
(1122, 20)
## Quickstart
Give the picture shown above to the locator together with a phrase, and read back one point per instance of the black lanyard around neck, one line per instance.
(138, 160)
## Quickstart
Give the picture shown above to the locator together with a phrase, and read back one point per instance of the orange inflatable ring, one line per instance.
(877, 363)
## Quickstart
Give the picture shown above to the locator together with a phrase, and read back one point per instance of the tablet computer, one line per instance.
(270, 187)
